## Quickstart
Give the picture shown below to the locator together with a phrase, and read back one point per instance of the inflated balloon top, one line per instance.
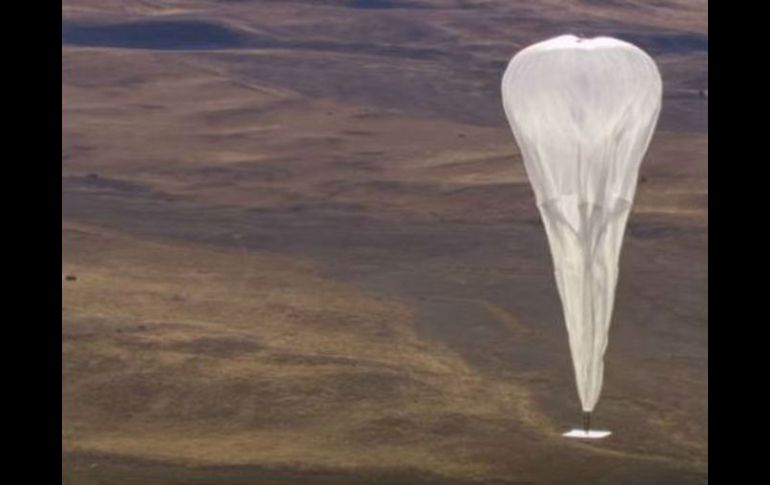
(583, 112)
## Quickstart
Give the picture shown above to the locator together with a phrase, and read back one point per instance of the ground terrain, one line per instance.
(307, 252)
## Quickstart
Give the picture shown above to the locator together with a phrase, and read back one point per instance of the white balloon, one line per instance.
(583, 112)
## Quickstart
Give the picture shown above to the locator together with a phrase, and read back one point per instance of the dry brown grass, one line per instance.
(189, 353)
(279, 269)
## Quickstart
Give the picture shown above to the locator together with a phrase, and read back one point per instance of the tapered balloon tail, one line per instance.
(587, 432)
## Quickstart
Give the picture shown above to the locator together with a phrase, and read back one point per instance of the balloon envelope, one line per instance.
(583, 112)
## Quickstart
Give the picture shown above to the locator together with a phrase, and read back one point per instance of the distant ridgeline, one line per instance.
(202, 35)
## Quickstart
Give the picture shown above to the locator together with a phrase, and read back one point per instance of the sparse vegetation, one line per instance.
(322, 260)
